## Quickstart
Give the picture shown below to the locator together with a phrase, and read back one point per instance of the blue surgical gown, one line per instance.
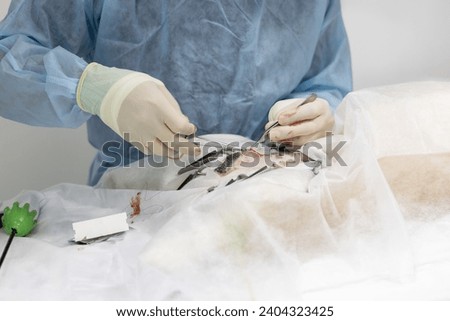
(226, 62)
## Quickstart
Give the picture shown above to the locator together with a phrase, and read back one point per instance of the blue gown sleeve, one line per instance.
(44, 46)
(330, 74)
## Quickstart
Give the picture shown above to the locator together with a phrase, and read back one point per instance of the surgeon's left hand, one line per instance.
(300, 125)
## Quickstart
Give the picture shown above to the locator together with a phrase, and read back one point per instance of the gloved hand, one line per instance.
(300, 125)
(138, 107)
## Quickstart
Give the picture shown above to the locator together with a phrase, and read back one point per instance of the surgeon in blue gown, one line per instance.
(153, 72)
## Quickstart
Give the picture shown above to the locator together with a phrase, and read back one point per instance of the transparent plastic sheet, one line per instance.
(407, 126)
(280, 234)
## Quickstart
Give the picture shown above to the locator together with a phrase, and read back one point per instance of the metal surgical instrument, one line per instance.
(192, 176)
(308, 100)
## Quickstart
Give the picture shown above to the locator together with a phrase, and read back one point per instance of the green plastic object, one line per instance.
(19, 218)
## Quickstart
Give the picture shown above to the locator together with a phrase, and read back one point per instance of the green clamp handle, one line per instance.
(20, 219)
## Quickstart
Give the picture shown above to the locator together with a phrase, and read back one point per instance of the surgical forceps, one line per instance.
(242, 177)
(308, 100)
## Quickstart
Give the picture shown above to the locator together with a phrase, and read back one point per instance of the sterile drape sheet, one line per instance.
(373, 223)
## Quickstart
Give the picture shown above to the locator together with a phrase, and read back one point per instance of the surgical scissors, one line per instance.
(192, 176)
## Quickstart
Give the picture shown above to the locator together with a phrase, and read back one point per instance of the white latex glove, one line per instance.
(138, 107)
(300, 125)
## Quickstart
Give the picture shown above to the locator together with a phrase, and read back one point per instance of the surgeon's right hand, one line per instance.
(138, 107)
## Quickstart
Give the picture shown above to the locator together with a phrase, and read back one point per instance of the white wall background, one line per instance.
(398, 40)
(391, 41)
